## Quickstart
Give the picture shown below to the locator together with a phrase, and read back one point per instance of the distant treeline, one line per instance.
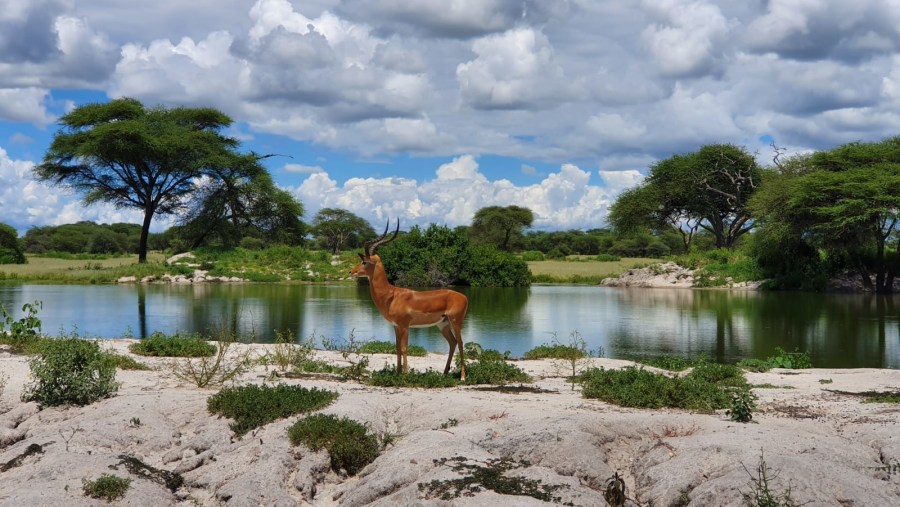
(558, 244)
(84, 237)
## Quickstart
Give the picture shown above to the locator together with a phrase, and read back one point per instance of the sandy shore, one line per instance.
(827, 446)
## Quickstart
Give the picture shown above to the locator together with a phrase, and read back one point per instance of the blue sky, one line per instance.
(428, 110)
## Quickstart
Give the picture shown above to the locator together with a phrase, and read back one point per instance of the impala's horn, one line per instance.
(370, 249)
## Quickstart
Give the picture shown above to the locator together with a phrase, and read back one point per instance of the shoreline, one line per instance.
(828, 446)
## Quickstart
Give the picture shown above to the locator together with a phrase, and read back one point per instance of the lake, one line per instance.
(837, 330)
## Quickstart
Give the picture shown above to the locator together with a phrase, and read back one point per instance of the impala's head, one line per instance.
(368, 260)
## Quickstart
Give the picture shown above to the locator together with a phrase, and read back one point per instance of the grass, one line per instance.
(106, 487)
(349, 444)
(707, 388)
(484, 371)
(585, 271)
(73, 269)
(382, 347)
(554, 351)
(666, 362)
(177, 345)
(252, 406)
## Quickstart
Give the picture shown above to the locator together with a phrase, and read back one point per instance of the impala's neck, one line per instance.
(381, 289)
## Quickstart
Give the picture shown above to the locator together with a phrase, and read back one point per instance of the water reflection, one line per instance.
(837, 330)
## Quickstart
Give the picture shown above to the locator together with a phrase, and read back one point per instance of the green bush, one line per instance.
(670, 363)
(12, 249)
(755, 365)
(70, 371)
(21, 334)
(349, 444)
(107, 487)
(382, 347)
(555, 351)
(177, 345)
(495, 372)
(252, 406)
(605, 257)
(791, 360)
(429, 379)
(708, 387)
(532, 255)
(124, 362)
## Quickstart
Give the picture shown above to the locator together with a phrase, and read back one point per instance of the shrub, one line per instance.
(791, 360)
(124, 362)
(21, 334)
(214, 370)
(429, 379)
(491, 371)
(70, 371)
(381, 347)
(554, 351)
(670, 363)
(252, 406)
(107, 487)
(532, 255)
(708, 387)
(177, 345)
(755, 365)
(742, 406)
(605, 257)
(349, 444)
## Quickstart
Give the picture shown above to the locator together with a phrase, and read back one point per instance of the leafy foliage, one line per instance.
(791, 360)
(106, 487)
(495, 372)
(382, 347)
(70, 371)
(337, 229)
(23, 333)
(500, 226)
(439, 256)
(11, 248)
(349, 444)
(252, 406)
(176, 345)
(743, 403)
(429, 379)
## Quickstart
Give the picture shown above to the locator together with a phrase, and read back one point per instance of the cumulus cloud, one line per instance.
(561, 200)
(686, 42)
(25, 105)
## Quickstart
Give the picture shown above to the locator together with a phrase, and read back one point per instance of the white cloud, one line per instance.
(562, 200)
(25, 105)
(687, 42)
(303, 169)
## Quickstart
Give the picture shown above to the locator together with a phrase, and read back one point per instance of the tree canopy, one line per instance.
(11, 250)
(500, 226)
(151, 159)
(337, 229)
(845, 201)
(707, 189)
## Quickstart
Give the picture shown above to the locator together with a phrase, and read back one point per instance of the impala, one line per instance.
(406, 308)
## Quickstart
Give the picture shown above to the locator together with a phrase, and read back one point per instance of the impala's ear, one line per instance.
(362, 257)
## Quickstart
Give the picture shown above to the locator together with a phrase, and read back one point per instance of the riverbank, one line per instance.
(811, 430)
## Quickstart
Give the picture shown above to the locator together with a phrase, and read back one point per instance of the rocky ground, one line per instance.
(822, 443)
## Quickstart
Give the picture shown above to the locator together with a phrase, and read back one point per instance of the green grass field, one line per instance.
(581, 270)
(74, 270)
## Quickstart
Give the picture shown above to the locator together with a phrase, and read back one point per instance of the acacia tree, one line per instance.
(847, 202)
(500, 225)
(708, 189)
(135, 157)
(338, 228)
(641, 208)
(11, 250)
(243, 203)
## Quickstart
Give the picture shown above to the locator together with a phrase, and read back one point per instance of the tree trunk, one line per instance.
(145, 233)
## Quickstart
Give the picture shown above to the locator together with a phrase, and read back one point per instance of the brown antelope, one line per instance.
(406, 308)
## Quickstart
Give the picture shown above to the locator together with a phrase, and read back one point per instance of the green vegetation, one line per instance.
(337, 229)
(349, 444)
(708, 387)
(495, 372)
(106, 487)
(492, 476)
(670, 363)
(252, 406)
(176, 345)
(12, 250)
(70, 371)
(83, 240)
(721, 268)
(743, 403)
(583, 272)
(123, 362)
(273, 264)
(555, 351)
(439, 256)
(381, 347)
(501, 226)
(888, 397)
(782, 359)
(23, 334)
(762, 488)
(217, 369)
(429, 379)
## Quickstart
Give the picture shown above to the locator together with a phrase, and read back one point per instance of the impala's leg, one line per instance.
(402, 334)
(457, 334)
(447, 330)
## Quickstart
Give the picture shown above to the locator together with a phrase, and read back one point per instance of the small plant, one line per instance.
(755, 365)
(107, 487)
(490, 476)
(349, 444)
(890, 468)
(825, 381)
(573, 357)
(208, 371)
(177, 345)
(351, 351)
(135, 422)
(494, 371)
(888, 397)
(449, 423)
(614, 492)
(761, 493)
(429, 379)
(791, 360)
(21, 334)
(124, 362)
(743, 403)
(381, 347)
(287, 352)
(666, 362)
(70, 371)
(252, 406)
(3, 380)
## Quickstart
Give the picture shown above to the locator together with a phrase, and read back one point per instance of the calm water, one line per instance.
(837, 330)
